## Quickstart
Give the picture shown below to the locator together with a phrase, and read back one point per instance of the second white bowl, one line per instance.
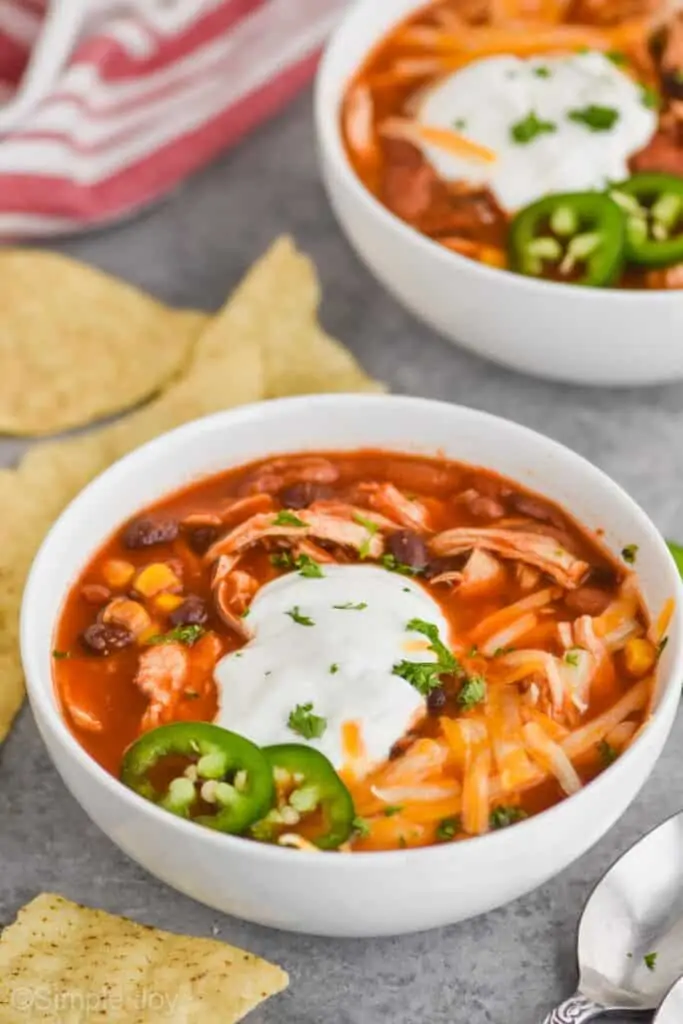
(562, 332)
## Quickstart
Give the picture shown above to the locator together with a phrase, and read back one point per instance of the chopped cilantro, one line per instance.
(191, 695)
(629, 553)
(351, 607)
(595, 117)
(650, 961)
(334, 669)
(460, 124)
(187, 635)
(448, 829)
(296, 616)
(390, 811)
(661, 646)
(425, 675)
(285, 518)
(650, 98)
(676, 551)
(608, 754)
(308, 567)
(372, 528)
(472, 691)
(245, 613)
(542, 71)
(617, 57)
(391, 563)
(500, 651)
(529, 128)
(474, 651)
(501, 817)
(61, 655)
(305, 723)
(402, 842)
(282, 560)
(360, 827)
(572, 658)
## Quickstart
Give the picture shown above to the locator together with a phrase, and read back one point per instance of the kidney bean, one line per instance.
(485, 508)
(588, 600)
(200, 538)
(525, 505)
(103, 638)
(408, 548)
(436, 701)
(145, 532)
(304, 493)
(192, 612)
(437, 566)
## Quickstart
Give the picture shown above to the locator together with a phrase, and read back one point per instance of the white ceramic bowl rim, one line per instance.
(329, 131)
(119, 475)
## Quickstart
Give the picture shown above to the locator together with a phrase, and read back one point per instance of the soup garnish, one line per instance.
(544, 138)
(367, 651)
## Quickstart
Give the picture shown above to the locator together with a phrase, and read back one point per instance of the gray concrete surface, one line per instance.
(506, 968)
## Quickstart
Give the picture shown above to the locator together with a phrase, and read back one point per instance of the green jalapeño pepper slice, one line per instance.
(579, 238)
(227, 774)
(308, 786)
(653, 204)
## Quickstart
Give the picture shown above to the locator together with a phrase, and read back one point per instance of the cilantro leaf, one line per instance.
(531, 127)
(425, 675)
(391, 810)
(650, 98)
(187, 635)
(360, 827)
(608, 754)
(542, 71)
(629, 553)
(572, 658)
(296, 616)
(617, 57)
(305, 723)
(448, 829)
(650, 961)
(285, 518)
(334, 669)
(472, 691)
(61, 655)
(595, 117)
(676, 551)
(308, 567)
(351, 607)
(282, 560)
(502, 817)
(372, 528)
(391, 563)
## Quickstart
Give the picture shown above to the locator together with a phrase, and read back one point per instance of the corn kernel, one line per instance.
(639, 657)
(168, 602)
(155, 579)
(125, 612)
(118, 573)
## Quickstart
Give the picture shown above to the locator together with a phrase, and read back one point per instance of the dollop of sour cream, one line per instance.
(331, 642)
(491, 101)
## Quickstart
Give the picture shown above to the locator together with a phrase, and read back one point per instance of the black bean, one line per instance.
(436, 701)
(673, 84)
(303, 494)
(103, 638)
(602, 576)
(145, 532)
(408, 548)
(192, 612)
(525, 505)
(200, 538)
(588, 600)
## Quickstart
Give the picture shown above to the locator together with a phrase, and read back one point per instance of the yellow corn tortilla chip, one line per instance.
(77, 344)
(60, 961)
(265, 342)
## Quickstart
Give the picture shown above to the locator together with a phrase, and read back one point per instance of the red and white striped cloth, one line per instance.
(104, 113)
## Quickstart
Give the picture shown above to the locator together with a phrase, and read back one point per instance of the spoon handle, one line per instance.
(575, 1010)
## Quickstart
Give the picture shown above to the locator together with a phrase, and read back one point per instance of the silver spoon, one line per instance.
(631, 933)
(671, 1010)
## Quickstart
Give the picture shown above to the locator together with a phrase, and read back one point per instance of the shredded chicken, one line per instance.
(389, 501)
(273, 476)
(165, 671)
(536, 549)
(333, 528)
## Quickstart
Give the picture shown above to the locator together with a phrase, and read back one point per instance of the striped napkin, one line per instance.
(106, 105)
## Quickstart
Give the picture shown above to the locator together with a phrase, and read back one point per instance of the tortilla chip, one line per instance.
(61, 961)
(265, 342)
(77, 345)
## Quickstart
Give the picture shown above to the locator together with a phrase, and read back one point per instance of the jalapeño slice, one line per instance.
(653, 204)
(226, 785)
(312, 788)
(576, 237)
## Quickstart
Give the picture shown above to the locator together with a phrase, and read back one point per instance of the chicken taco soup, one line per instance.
(355, 652)
(539, 136)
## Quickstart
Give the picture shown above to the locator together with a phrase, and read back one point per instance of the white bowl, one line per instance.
(563, 332)
(332, 894)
